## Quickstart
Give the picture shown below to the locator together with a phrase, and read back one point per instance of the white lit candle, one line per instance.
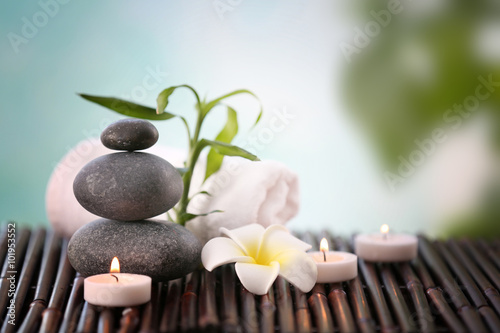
(117, 289)
(386, 247)
(334, 266)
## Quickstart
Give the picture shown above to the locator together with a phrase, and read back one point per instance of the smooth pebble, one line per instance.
(161, 250)
(129, 134)
(128, 186)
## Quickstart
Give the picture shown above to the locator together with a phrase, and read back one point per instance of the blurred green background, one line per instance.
(364, 80)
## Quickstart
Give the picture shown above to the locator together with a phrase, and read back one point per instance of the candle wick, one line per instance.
(384, 236)
(116, 277)
(324, 255)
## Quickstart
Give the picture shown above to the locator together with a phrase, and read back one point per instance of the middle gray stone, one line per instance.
(128, 186)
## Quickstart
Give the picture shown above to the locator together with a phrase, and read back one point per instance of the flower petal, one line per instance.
(277, 239)
(257, 279)
(298, 268)
(219, 251)
(247, 237)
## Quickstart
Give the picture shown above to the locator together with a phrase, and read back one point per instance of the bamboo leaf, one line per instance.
(201, 192)
(226, 135)
(188, 216)
(129, 109)
(227, 149)
(162, 99)
(210, 105)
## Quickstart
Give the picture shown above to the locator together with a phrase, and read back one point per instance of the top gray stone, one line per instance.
(129, 134)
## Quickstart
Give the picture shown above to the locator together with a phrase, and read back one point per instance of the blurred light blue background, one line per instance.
(287, 52)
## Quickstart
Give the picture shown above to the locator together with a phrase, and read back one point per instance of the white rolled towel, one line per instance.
(64, 212)
(264, 192)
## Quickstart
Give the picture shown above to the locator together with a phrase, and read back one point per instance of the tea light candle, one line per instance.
(385, 247)
(334, 266)
(117, 289)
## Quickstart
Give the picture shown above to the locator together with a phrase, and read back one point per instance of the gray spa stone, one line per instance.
(161, 250)
(129, 134)
(128, 186)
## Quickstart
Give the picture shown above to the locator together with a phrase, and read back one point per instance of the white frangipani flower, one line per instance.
(261, 255)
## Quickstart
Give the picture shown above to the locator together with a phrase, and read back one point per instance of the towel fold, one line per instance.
(264, 192)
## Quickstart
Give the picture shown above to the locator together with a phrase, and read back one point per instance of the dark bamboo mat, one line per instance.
(452, 286)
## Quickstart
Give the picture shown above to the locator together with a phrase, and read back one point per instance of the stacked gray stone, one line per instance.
(126, 188)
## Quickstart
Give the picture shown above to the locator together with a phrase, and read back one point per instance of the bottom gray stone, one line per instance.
(161, 250)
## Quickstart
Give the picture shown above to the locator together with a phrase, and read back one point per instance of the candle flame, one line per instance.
(384, 229)
(115, 266)
(323, 245)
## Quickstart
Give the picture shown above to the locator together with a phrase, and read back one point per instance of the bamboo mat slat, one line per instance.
(318, 301)
(469, 314)
(453, 286)
(230, 321)
(208, 319)
(267, 312)
(21, 245)
(249, 317)
(423, 315)
(170, 313)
